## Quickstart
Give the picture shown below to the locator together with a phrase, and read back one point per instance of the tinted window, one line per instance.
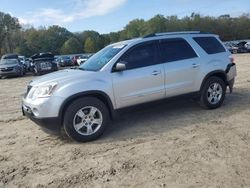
(210, 44)
(176, 49)
(140, 56)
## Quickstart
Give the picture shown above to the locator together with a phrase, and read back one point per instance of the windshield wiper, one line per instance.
(81, 68)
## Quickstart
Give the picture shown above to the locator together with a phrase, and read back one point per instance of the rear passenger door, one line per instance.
(143, 79)
(181, 65)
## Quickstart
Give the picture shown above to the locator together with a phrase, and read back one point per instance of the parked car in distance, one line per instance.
(25, 62)
(158, 66)
(247, 45)
(28, 62)
(57, 59)
(22, 59)
(74, 60)
(242, 47)
(65, 61)
(82, 59)
(11, 67)
(232, 47)
(15, 56)
(43, 63)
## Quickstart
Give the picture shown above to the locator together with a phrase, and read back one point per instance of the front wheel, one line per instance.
(213, 93)
(85, 119)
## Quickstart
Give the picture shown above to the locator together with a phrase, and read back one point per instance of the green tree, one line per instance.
(8, 26)
(135, 28)
(58, 40)
(156, 24)
(54, 38)
(43, 40)
(90, 45)
(71, 46)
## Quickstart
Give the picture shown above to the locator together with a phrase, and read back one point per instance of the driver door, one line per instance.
(143, 79)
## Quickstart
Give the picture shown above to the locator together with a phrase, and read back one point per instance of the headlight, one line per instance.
(43, 91)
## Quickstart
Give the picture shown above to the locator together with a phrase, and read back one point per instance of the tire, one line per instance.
(78, 122)
(21, 74)
(24, 72)
(213, 93)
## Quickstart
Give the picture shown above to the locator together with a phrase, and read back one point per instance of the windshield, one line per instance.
(66, 57)
(101, 58)
(8, 61)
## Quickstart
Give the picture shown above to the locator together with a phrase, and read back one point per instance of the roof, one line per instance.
(161, 35)
(42, 55)
(10, 56)
(174, 33)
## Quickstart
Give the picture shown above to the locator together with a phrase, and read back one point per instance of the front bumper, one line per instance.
(9, 73)
(52, 124)
(44, 111)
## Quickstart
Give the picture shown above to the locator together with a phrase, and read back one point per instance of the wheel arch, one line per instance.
(97, 94)
(218, 73)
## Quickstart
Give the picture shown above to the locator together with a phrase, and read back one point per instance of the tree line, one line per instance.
(58, 40)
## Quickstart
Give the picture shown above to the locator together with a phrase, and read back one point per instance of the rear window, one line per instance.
(210, 44)
(175, 50)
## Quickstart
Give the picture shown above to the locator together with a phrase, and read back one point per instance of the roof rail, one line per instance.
(174, 33)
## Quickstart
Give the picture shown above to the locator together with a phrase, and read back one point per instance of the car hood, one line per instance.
(8, 65)
(61, 76)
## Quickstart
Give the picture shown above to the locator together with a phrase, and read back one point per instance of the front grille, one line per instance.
(44, 65)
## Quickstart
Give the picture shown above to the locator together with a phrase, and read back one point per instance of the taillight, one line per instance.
(231, 59)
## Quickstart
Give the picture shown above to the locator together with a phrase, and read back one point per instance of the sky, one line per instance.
(107, 16)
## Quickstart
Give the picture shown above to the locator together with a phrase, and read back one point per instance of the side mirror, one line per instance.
(121, 66)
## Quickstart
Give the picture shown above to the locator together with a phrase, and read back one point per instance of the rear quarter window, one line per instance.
(210, 44)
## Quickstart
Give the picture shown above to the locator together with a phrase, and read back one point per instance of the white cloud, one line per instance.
(99, 7)
(82, 9)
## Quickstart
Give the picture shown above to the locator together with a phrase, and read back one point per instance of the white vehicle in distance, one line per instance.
(247, 45)
(83, 58)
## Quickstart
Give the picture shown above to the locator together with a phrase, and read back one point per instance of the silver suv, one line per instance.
(82, 101)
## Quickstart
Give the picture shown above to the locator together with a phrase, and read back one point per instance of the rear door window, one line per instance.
(210, 44)
(175, 50)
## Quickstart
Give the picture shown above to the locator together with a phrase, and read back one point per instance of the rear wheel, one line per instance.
(213, 93)
(85, 119)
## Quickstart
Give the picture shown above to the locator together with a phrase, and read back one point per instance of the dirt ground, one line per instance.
(170, 144)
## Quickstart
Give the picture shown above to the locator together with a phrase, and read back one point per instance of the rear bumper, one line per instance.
(231, 74)
(51, 124)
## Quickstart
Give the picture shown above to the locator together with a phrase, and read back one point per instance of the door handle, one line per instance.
(155, 73)
(195, 65)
